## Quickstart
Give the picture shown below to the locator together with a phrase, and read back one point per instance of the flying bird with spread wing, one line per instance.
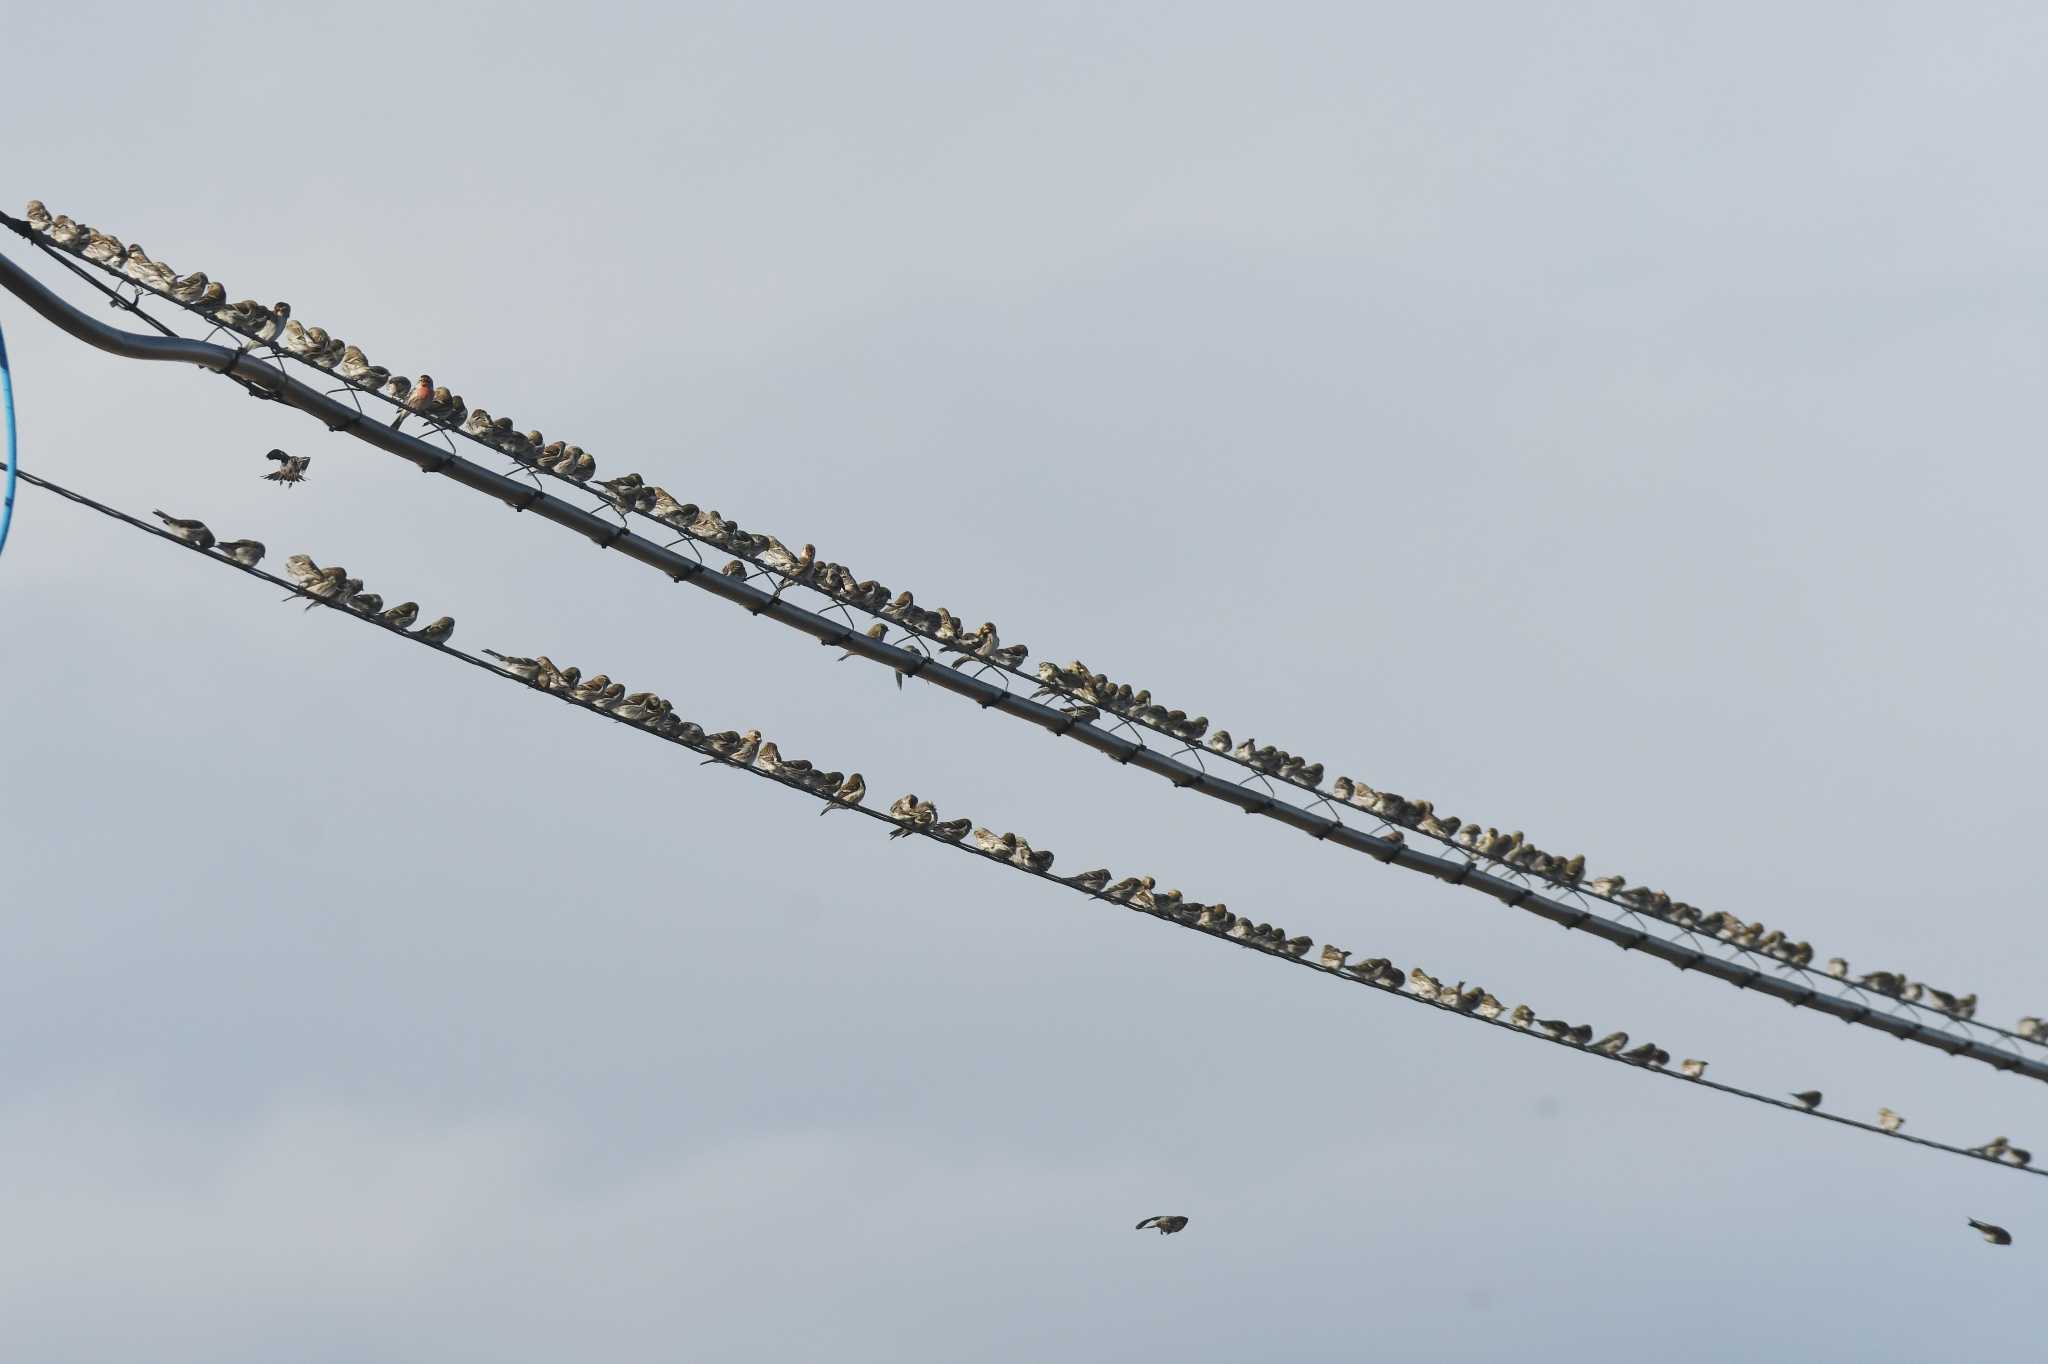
(290, 468)
(1167, 1225)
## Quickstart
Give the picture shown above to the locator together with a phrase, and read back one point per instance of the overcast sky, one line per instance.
(1615, 422)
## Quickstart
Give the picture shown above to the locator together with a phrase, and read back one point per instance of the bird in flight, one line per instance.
(1169, 1225)
(290, 468)
(1997, 1236)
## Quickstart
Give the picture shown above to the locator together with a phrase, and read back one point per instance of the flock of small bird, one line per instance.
(247, 553)
(1998, 1148)
(1091, 692)
(334, 585)
(598, 691)
(913, 814)
(653, 712)
(326, 584)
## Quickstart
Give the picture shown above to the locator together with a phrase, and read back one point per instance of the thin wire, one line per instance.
(701, 746)
(1628, 935)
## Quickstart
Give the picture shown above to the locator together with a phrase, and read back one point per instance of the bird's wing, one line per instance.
(1153, 1221)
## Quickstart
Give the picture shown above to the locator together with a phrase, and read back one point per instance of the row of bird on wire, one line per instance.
(1142, 893)
(1090, 693)
(654, 712)
(914, 815)
(327, 584)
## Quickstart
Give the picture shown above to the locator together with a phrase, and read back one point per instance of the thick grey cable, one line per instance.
(1133, 721)
(268, 381)
(1579, 893)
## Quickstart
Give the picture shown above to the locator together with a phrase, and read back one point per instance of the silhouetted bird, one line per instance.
(1169, 1225)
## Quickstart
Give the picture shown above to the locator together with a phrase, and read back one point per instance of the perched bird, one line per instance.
(1580, 1035)
(368, 603)
(912, 814)
(326, 584)
(1556, 1027)
(290, 468)
(1169, 1225)
(104, 250)
(1889, 1121)
(1611, 1044)
(355, 367)
(522, 668)
(146, 272)
(1997, 1236)
(299, 340)
(193, 533)
(1809, 1099)
(1694, 1069)
(1648, 1054)
(68, 234)
(401, 616)
(189, 289)
(989, 841)
(436, 632)
(301, 569)
(1838, 968)
(850, 792)
(418, 398)
(878, 631)
(247, 553)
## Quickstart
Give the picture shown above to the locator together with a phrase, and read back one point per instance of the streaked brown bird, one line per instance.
(290, 468)
(1169, 1225)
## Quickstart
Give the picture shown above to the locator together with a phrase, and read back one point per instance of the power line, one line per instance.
(699, 743)
(1899, 1018)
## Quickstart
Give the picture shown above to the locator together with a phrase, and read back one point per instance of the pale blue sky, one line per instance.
(1615, 422)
